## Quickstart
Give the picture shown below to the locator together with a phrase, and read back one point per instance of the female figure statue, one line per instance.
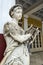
(16, 52)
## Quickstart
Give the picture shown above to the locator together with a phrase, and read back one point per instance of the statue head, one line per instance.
(16, 12)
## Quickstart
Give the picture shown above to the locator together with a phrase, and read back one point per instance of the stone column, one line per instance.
(42, 26)
(42, 31)
(25, 22)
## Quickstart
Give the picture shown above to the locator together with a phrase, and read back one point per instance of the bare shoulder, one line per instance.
(6, 26)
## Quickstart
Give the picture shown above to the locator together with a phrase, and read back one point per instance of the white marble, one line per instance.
(16, 52)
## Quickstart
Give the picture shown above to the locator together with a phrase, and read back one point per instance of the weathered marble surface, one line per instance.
(17, 51)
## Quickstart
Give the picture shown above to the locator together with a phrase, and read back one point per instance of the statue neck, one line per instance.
(15, 21)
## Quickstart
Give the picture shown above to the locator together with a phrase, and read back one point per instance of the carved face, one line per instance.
(17, 13)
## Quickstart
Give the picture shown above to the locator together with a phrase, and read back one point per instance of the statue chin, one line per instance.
(19, 18)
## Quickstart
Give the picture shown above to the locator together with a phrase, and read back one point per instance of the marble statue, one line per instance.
(16, 52)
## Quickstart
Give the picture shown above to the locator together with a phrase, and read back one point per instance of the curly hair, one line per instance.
(12, 8)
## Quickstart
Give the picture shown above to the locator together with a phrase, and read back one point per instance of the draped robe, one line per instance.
(17, 50)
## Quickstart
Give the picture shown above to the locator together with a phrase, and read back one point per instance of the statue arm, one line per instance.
(14, 34)
(23, 32)
(21, 38)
